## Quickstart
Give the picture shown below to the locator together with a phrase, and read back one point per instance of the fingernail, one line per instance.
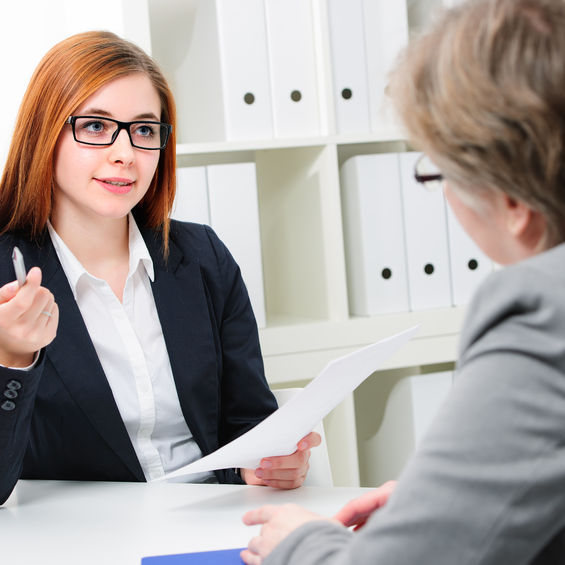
(259, 473)
(266, 464)
(303, 445)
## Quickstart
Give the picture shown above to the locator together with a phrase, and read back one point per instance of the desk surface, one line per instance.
(87, 523)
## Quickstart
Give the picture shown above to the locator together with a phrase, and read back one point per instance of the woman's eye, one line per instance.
(94, 127)
(144, 130)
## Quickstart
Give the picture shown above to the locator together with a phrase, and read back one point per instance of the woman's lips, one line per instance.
(116, 185)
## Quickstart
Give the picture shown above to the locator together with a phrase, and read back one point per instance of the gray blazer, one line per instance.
(487, 485)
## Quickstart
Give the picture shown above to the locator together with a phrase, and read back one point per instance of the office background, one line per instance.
(288, 148)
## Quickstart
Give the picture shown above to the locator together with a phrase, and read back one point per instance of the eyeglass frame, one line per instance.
(426, 178)
(121, 125)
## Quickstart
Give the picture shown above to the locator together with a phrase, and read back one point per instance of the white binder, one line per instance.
(221, 76)
(349, 66)
(468, 264)
(428, 392)
(386, 33)
(374, 234)
(426, 240)
(408, 405)
(292, 60)
(191, 198)
(234, 216)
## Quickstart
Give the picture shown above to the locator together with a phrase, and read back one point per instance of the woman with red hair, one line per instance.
(131, 349)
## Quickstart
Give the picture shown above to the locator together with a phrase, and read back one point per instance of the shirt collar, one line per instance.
(138, 253)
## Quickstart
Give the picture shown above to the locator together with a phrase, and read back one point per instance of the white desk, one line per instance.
(87, 523)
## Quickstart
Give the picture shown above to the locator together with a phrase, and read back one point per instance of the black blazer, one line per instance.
(64, 422)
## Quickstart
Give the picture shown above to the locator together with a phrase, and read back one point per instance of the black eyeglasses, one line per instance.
(426, 173)
(93, 130)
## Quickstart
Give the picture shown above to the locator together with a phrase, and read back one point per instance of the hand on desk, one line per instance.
(286, 471)
(277, 522)
(357, 511)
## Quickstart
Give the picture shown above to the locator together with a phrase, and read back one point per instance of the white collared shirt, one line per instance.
(131, 348)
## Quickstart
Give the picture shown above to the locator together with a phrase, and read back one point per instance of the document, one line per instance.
(220, 557)
(280, 432)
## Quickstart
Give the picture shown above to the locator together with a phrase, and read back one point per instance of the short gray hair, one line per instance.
(483, 93)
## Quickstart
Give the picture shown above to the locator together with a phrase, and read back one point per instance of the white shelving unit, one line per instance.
(308, 322)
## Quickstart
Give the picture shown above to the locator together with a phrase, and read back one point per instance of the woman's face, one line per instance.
(106, 182)
(485, 223)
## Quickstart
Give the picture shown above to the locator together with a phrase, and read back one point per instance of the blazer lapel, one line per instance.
(76, 362)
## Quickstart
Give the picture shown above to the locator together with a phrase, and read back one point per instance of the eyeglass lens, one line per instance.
(101, 131)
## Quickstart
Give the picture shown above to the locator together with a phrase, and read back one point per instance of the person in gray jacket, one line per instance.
(483, 95)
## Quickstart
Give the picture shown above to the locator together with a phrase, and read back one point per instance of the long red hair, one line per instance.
(68, 74)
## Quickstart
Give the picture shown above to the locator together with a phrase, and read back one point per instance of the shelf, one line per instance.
(300, 215)
(212, 147)
(299, 350)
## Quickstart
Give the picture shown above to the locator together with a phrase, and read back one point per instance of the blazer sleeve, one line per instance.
(485, 485)
(18, 390)
(246, 398)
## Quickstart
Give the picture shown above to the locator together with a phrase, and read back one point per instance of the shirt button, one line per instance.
(8, 405)
(10, 393)
(14, 385)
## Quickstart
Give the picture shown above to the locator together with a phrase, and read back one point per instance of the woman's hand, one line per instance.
(28, 320)
(286, 471)
(357, 511)
(277, 522)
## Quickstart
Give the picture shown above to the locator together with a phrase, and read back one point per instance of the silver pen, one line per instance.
(19, 266)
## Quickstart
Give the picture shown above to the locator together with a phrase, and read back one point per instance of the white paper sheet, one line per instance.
(280, 432)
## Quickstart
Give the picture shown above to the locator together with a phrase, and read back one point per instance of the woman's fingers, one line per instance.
(28, 319)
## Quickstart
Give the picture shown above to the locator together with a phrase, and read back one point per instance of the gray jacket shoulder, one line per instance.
(485, 484)
(521, 306)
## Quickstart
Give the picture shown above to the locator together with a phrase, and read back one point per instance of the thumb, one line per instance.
(8, 291)
(259, 515)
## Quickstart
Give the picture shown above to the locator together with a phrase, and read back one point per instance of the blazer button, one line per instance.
(7, 405)
(10, 393)
(14, 385)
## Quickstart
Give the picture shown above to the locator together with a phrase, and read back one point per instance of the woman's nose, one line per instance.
(122, 149)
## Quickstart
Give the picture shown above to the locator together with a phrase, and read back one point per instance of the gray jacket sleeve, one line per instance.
(486, 486)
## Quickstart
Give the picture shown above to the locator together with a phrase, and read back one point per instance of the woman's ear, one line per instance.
(527, 226)
(518, 215)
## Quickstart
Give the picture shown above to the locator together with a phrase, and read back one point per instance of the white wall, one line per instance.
(29, 28)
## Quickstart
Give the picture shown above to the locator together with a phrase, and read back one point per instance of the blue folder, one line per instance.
(220, 557)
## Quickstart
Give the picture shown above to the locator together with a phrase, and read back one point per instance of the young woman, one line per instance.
(483, 94)
(131, 350)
